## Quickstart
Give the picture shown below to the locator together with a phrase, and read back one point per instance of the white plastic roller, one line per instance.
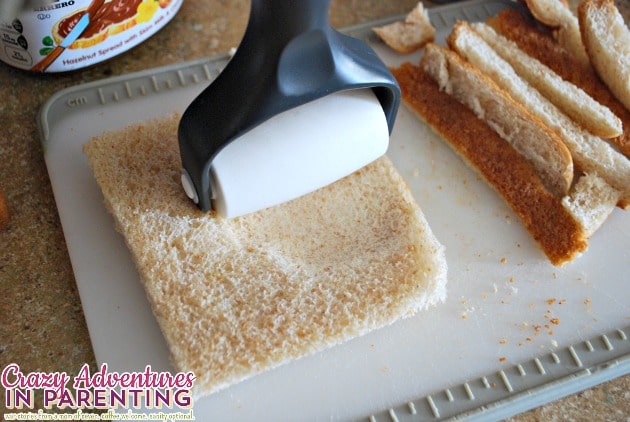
(299, 151)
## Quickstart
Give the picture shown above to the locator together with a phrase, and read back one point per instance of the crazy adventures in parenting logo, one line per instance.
(101, 390)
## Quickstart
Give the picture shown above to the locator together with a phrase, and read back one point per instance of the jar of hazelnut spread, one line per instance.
(62, 35)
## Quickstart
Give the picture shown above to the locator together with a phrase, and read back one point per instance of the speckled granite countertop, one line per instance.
(42, 327)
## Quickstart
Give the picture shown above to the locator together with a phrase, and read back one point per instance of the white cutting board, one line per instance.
(476, 348)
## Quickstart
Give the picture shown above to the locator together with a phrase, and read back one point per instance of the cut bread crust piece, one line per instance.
(237, 297)
(539, 44)
(591, 201)
(607, 41)
(569, 98)
(560, 235)
(556, 14)
(409, 35)
(590, 154)
(540, 146)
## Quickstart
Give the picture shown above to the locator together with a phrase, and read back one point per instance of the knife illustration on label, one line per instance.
(72, 36)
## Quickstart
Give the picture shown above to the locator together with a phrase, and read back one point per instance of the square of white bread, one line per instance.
(237, 297)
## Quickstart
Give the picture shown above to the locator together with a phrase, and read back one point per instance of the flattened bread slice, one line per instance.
(238, 297)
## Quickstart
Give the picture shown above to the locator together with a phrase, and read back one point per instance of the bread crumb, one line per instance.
(409, 35)
(589, 306)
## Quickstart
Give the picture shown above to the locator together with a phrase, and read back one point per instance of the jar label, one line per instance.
(34, 40)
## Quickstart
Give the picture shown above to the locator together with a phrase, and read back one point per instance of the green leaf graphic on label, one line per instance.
(48, 41)
(45, 51)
